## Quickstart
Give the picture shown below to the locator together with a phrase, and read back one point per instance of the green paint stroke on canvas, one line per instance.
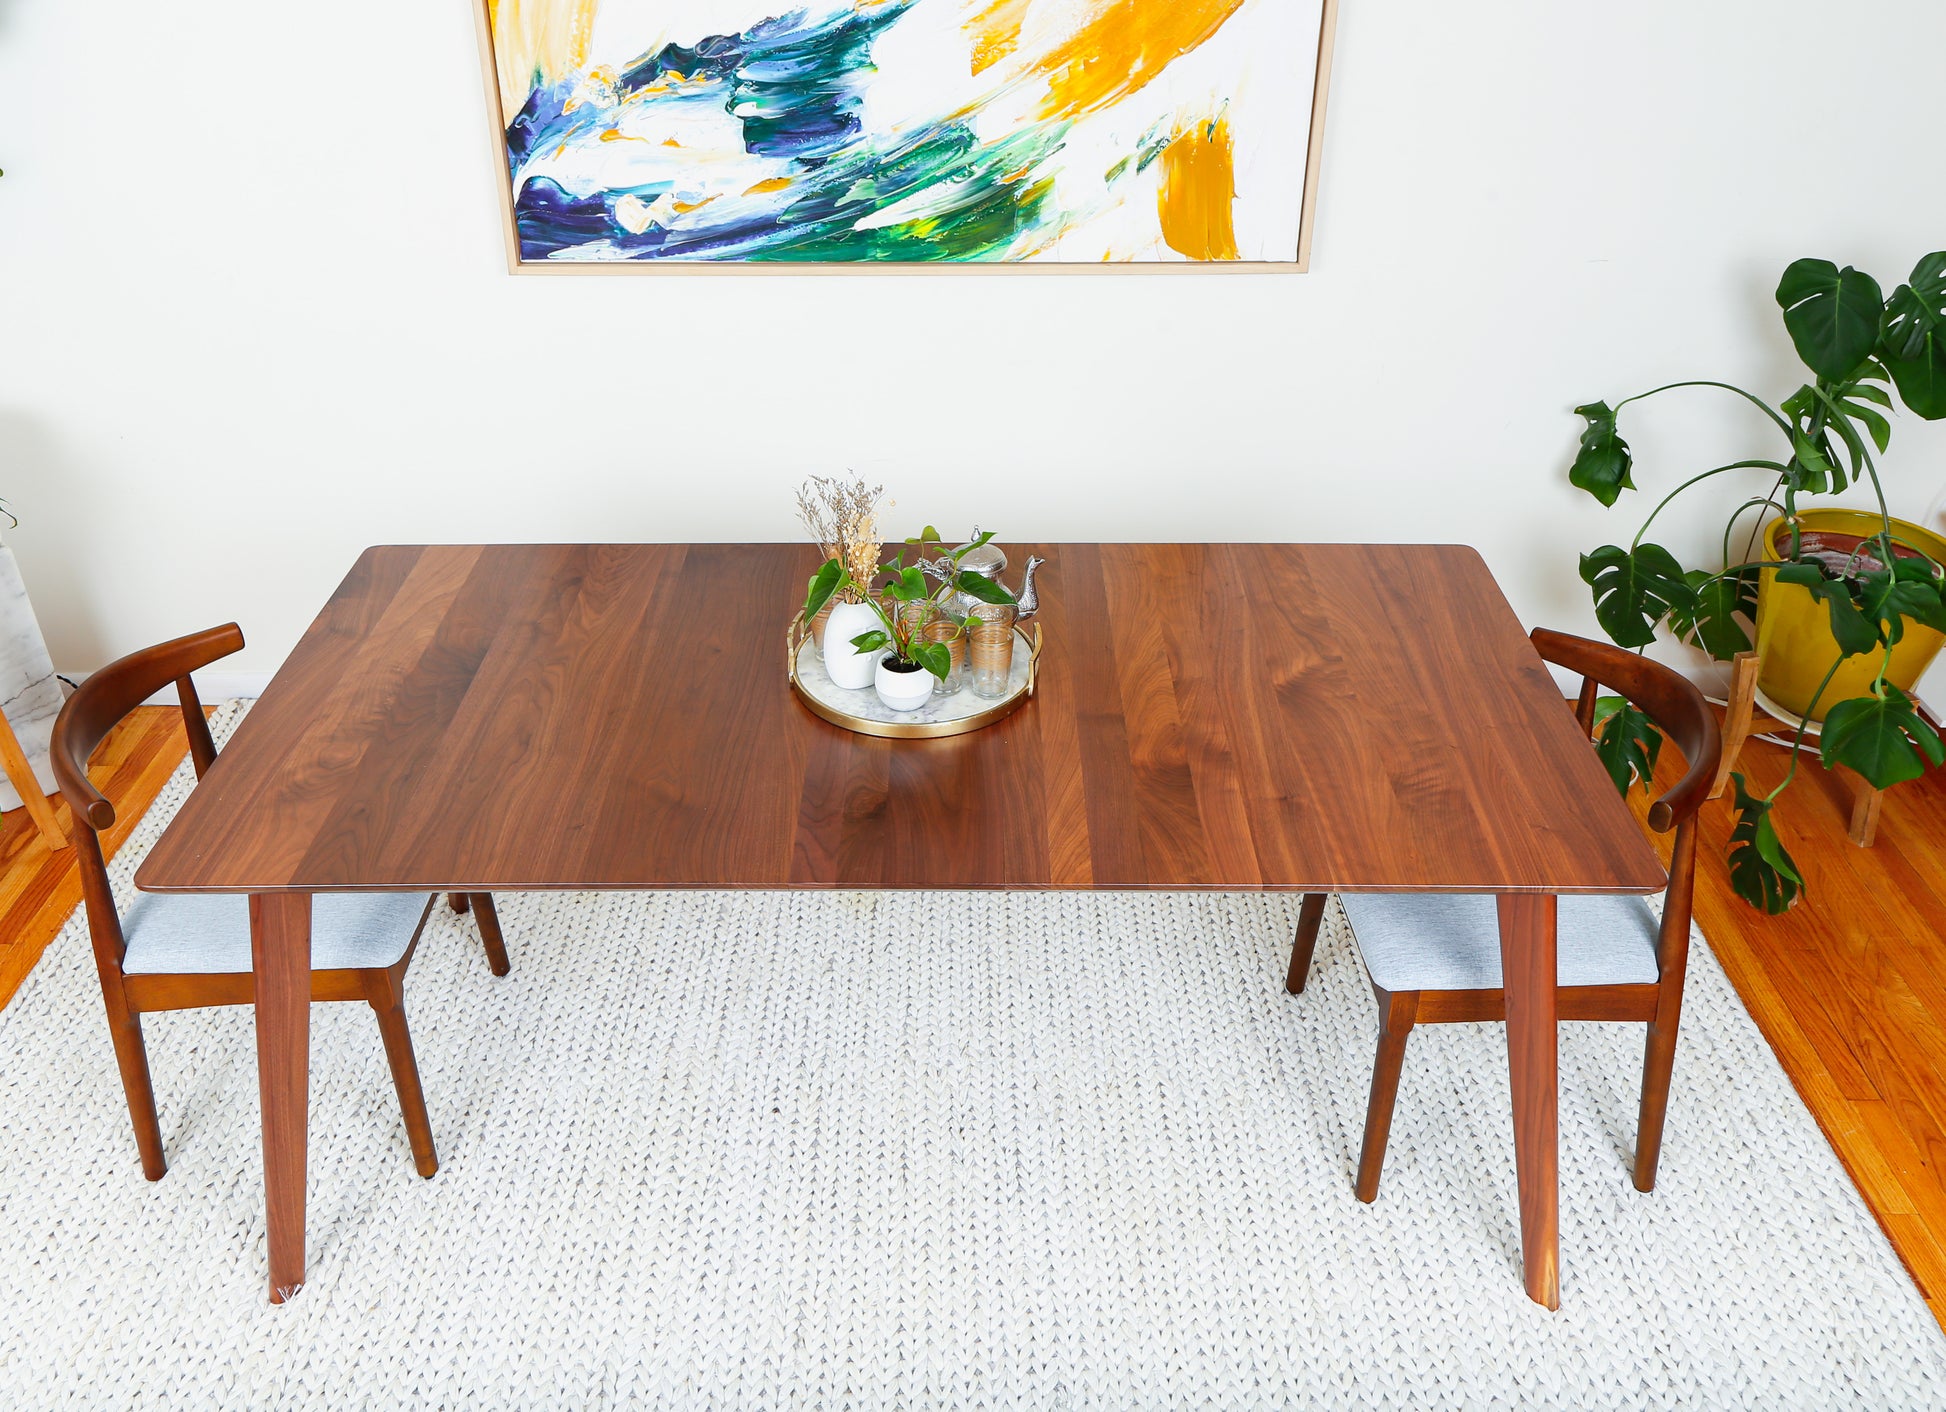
(753, 147)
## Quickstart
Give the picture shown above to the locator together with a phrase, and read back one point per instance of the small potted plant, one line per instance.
(1848, 605)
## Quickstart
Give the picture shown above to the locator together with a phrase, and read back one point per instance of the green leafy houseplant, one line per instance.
(905, 584)
(1857, 344)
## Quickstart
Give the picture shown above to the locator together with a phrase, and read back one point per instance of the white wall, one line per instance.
(255, 314)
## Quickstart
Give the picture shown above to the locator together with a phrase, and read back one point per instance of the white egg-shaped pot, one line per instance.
(843, 663)
(902, 690)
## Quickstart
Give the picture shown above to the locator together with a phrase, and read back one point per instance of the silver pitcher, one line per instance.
(991, 560)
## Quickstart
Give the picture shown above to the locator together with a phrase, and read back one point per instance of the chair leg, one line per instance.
(458, 902)
(387, 996)
(1308, 918)
(1396, 1012)
(1658, 1064)
(489, 920)
(132, 1058)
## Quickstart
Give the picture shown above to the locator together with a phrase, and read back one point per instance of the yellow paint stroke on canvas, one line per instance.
(1123, 49)
(994, 30)
(1198, 189)
(542, 40)
(769, 184)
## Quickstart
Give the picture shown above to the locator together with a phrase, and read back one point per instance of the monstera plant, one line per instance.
(1859, 346)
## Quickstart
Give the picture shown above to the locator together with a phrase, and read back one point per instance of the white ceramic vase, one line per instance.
(844, 664)
(27, 682)
(902, 691)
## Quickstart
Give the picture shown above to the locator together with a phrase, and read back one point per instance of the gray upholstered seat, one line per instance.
(209, 934)
(1451, 941)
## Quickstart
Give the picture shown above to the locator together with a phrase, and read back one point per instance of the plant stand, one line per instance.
(32, 694)
(1742, 718)
(21, 776)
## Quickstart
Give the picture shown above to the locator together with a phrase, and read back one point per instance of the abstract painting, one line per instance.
(1068, 133)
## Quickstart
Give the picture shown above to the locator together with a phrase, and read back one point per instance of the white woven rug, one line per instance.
(834, 1151)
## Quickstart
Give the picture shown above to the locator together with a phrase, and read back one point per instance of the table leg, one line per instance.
(1533, 1061)
(280, 954)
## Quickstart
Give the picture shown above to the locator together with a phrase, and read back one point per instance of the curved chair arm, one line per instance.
(108, 695)
(1671, 701)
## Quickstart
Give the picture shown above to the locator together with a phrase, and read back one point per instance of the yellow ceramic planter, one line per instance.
(1794, 628)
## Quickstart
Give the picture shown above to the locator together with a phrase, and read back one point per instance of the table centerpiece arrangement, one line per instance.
(930, 647)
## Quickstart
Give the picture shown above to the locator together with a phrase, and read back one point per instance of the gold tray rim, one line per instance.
(796, 634)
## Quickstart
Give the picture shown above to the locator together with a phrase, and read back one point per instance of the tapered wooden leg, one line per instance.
(1527, 962)
(1736, 717)
(1658, 1064)
(132, 1058)
(1865, 805)
(280, 954)
(388, 1004)
(457, 901)
(1396, 1013)
(496, 944)
(1309, 916)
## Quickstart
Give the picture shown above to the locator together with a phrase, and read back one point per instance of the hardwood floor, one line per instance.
(39, 887)
(1850, 987)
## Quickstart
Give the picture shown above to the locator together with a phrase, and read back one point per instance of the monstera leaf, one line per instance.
(1814, 458)
(1881, 737)
(1602, 464)
(1627, 742)
(1832, 315)
(1850, 400)
(1853, 631)
(1887, 597)
(1912, 340)
(1634, 590)
(1761, 871)
(1709, 620)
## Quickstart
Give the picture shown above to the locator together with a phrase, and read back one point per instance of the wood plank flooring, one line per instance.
(40, 887)
(1850, 987)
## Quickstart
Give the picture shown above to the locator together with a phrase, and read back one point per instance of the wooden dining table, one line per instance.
(1310, 718)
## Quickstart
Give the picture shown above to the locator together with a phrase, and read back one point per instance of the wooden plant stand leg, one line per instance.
(21, 775)
(1865, 804)
(1741, 720)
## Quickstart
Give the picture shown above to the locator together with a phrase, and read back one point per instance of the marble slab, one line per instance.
(30, 693)
(864, 703)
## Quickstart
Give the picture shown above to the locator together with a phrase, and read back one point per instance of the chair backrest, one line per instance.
(97, 706)
(1672, 701)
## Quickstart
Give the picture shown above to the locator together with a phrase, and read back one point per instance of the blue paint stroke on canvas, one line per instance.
(762, 144)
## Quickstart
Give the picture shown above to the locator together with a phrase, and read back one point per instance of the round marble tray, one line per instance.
(862, 711)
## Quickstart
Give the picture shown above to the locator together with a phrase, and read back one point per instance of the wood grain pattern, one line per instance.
(1527, 960)
(1847, 986)
(1790, 971)
(474, 719)
(280, 952)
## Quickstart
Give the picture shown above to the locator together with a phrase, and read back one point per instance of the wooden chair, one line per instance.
(183, 951)
(1434, 958)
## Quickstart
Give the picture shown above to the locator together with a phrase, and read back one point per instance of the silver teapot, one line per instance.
(991, 560)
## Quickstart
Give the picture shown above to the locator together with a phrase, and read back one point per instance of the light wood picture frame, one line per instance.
(616, 160)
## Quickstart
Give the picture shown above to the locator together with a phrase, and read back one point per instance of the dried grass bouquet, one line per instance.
(842, 517)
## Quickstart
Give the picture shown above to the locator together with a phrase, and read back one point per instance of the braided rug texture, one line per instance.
(913, 1151)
